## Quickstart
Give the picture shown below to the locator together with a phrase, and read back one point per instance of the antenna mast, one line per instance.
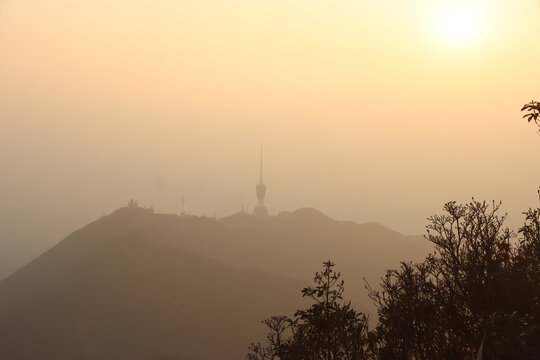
(261, 171)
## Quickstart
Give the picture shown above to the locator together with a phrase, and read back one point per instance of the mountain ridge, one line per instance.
(132, 298)
(135, 284)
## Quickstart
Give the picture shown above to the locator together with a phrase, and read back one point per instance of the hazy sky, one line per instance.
(368, 110)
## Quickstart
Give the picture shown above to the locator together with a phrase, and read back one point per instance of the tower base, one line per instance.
(260, 211)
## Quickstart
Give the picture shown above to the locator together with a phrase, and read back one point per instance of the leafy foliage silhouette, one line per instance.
(475, 285)
(476, 296)
(330, 329)
(533, 112)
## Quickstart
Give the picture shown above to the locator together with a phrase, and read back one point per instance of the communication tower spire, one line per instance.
(261, 171)
(260, 189)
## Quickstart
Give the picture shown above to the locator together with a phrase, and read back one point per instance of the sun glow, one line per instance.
(461, 23)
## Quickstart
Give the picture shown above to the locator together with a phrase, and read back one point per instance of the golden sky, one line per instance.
(368, 110)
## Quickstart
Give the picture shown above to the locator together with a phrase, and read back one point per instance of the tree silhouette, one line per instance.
(477, 287)
(328, 330)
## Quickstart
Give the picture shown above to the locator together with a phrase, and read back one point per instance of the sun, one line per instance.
(461, 23)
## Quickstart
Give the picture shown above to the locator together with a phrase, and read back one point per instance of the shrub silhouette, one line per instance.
(329, 329)
(479, 289)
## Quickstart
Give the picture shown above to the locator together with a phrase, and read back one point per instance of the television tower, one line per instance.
(260, 189)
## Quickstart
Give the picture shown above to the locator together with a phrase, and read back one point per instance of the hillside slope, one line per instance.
(290, 244)
(138, 285)
(122, 296)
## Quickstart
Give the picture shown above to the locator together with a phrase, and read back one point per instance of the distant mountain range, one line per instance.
(138, 285)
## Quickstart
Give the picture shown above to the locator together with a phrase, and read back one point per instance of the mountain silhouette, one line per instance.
(292, 244)
(105, 295)
(139, 285)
